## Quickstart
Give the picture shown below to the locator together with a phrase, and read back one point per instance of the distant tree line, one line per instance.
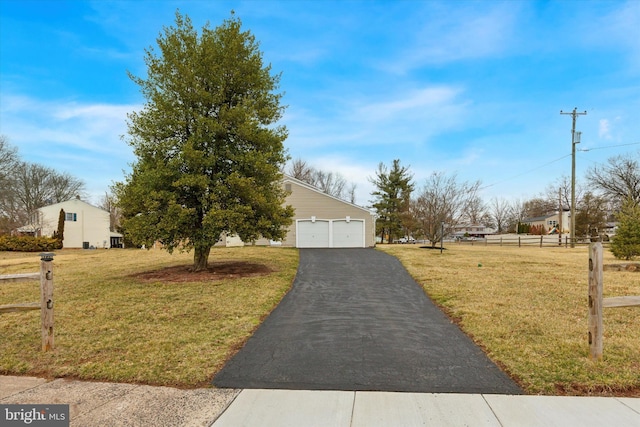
(332, 183)
(26, 187)
(611, 193)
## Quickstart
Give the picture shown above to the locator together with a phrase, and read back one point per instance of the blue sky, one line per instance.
(466, 87)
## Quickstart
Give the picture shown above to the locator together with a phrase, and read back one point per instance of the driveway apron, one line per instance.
(354, 319)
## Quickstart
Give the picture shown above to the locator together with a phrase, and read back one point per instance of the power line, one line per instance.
(610, 146)
(524, 173)
(556, 160)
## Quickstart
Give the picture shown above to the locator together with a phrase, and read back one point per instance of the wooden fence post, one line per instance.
(541, 236)
(595, 301)
(46, 293)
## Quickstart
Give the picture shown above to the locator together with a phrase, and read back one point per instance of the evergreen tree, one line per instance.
(209, 154)
(59, 233)
(626, 242)
(392, 199)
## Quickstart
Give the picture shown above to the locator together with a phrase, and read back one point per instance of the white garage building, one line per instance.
(324, 221)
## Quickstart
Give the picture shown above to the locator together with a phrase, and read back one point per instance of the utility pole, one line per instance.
(575, 139)
(560, 212)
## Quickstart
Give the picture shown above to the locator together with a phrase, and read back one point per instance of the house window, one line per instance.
(552, 223)
(34, 218)
(70, 216)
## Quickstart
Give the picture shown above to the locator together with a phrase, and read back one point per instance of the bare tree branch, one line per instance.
(499, 212)
(619, 179)
(443, 200)
(328, 182)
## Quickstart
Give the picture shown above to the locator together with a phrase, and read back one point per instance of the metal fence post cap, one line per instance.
(46, 256)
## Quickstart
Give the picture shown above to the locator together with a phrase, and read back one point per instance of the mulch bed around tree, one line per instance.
(216, 271)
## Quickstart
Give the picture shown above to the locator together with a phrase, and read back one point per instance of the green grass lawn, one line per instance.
(112, 326)
(527, 307)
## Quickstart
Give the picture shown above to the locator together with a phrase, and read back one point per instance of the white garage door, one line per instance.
(333, 233)
(312, 234)
(348, 234)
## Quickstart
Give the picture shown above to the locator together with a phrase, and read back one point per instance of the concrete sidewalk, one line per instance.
(93, 404)
(299, 408)
(108, 404)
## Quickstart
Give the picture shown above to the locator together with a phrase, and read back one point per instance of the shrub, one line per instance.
(28, 244)
(537, 230)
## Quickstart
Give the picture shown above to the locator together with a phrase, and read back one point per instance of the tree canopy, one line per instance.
(209, 152)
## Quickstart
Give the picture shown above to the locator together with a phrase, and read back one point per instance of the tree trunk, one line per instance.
(200, 258)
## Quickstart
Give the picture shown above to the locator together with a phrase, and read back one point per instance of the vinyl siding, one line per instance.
(309, 202)
(91, 224)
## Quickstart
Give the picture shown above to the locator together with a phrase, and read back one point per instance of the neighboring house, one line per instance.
(471, 230)
(549, 221)
(609, 229)
(321, 220)
(85, 225)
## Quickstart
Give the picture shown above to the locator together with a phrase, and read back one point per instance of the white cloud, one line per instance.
(458, 33)
(80, 138)
(32, 123)
(411, 117)
(411, 103)
(604, 129)
(470, 157)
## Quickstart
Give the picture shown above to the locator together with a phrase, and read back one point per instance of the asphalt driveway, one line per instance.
(355, 320)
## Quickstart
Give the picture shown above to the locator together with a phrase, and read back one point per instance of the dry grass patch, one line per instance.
(140, 316)
(527, 307)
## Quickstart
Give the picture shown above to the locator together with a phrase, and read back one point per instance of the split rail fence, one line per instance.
(46, 297)
(597, 303)
(520, 240)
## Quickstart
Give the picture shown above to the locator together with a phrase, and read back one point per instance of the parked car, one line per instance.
(406, 239)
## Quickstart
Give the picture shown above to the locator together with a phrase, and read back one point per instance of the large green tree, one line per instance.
(209, 152)
(391, 199)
